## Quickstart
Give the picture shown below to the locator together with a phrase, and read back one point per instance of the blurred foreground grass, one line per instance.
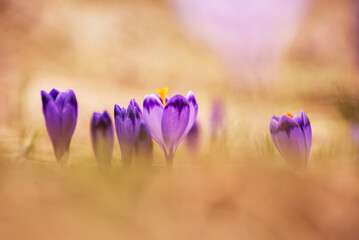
(217, 201)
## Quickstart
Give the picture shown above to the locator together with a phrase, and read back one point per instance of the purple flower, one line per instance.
(127, 123)
(169, 120)
(144, 146)
(248, 36)
(292, 135)
(60, 112)
(102, 138)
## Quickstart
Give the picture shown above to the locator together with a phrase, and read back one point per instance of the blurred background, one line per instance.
(255, 58)
(260, 58)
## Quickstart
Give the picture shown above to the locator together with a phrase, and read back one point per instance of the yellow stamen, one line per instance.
(163, 94)
(289, 115)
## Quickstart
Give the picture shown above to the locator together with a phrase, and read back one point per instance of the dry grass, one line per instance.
(223, 200)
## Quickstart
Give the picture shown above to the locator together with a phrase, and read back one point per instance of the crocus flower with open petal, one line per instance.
(292, 135)
(169, 120)
(127, 123)
(102, 138)
(60, 112)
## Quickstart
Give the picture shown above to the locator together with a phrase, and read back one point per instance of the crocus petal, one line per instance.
(124, 128)
(275, 118)
(304, 124)
(307, 131)
(174, 122)
(135, 105)
(290, 139)
(131, 124)
(297, 119)
(69, 117)
(119, 118)
(53, 122)
(152, 115)
(120, 112)
(193, 111)
(127, 122)
(60, 100)
(45, 98)
(54, 92)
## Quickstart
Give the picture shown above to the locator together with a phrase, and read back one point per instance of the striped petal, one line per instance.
(152, 115)
(69, 118)
(290, 140)
(307, 131)
(175, 119)
(193, 112)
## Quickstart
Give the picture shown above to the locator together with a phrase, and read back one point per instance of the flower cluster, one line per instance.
(167, 120)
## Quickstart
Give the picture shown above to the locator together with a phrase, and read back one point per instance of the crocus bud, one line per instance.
(102, 138)
(127, 123)
(292, 135)
(144, 145)
(60, 112)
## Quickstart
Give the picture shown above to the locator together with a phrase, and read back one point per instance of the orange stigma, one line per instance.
(162, 93)
(289, 115)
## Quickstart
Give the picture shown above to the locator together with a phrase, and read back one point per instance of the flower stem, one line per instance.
(64, 159)
(169, 159)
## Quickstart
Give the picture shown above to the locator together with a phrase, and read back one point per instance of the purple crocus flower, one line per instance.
(144, 146)
(127, 123)
(292, 135)
(102, 138)
(169, 120)
(60, 112)
(248, 36)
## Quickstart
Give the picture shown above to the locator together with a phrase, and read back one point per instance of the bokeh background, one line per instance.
(258, 58)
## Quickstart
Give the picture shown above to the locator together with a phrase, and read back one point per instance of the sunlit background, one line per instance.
(254, 58)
